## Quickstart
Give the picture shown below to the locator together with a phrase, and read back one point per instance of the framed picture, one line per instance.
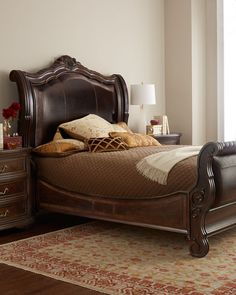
(149, 129)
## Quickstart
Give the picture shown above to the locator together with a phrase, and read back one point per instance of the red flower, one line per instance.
(15, 106)
(11, 111)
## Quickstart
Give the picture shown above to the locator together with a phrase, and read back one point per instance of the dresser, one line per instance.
(15, 189)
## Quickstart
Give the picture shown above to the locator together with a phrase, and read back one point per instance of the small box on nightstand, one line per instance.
(12, 142)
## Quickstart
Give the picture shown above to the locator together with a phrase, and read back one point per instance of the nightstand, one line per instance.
(172, 138)
(15, 188)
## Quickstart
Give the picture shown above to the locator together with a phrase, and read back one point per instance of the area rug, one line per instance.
(122, 259)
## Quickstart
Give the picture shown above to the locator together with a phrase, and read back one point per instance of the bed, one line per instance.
(67, 90)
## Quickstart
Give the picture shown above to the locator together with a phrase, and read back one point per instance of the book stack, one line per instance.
(1, 136)
(164, 122)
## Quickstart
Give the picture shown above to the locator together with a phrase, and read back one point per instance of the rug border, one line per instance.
(56, 277)
(47, 233)
(25, 268)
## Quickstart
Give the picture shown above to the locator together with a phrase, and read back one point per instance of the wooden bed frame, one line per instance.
(66, 91)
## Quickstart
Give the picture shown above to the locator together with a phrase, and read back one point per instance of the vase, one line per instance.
(7, 127)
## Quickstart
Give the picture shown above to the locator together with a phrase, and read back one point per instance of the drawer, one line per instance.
(12, 166)
(12, 210)
(12, 188)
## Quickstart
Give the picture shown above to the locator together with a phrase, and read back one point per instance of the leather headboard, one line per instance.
(63, 92)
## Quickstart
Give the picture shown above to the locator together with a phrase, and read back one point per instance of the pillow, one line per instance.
(57, 135)
(135, 139)
(106, 144)
(86, 127)
(60, 147)
(121, 127)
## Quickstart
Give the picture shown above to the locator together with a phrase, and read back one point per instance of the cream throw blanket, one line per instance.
(157, 166)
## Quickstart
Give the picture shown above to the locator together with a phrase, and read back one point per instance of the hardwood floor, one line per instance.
(14, 281)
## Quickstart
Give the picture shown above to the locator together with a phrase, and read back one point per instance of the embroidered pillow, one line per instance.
(60, 147)
(86, 127)
(135, 139)
(106, 144)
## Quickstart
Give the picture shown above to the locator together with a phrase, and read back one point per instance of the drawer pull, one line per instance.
(5, 213)
(3, 168)
(4, 192)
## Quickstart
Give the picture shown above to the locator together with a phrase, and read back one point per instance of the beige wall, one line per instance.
(198, 16)
(110, 36)
(166, 42)
(212, 75)
(191, 68)
(178, 63)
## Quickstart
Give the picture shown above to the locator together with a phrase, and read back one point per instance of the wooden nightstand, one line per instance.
(172, 138)
(15, 188)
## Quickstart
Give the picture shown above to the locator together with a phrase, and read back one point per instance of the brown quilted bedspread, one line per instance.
(114, 174)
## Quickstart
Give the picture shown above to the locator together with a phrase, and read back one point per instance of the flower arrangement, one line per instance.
(11, 112)
(9, 115)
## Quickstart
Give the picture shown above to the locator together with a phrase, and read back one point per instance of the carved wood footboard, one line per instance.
(213, 200)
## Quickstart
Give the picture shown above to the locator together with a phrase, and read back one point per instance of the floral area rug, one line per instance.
(121, 259)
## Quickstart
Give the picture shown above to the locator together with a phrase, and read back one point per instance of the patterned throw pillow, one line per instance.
(59, 148)
(135, 139)
(106, 144)
(87, 127)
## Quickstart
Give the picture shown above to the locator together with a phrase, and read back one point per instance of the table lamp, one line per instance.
(141, 94)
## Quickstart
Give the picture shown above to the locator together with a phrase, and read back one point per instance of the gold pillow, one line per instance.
(57, 135)
(60, 147)
(106, 144)
(87, 127)
(121, 127)
(135, 139)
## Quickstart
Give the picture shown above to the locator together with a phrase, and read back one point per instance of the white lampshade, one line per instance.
(142, 94)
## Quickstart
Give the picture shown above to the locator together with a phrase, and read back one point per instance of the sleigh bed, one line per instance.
(66, 91)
